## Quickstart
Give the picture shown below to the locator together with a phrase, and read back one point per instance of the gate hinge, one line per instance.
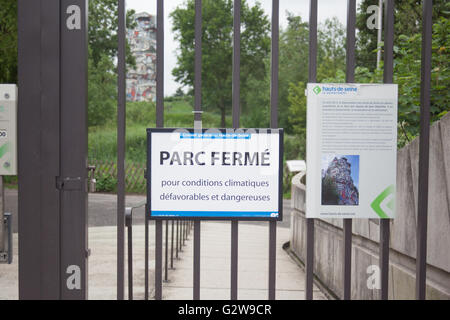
(70, 184)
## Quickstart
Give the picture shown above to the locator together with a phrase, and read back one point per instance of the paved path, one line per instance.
(215, 258)
(102, 209)
(252, 266)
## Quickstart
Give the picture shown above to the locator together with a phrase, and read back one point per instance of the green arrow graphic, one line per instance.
(378, 200)
(317, 90)
(4, 149)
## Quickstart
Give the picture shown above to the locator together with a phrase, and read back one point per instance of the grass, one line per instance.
(140, 116)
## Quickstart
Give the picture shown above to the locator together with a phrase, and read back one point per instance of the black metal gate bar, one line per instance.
(159, 124)
(166, 250)
(388, 77)
(196, 274)
(350, 77)
(176, 240)
(312, 77)
(236, 110)
(158, 259)
(422, 210)
(121, 70)
(171, 244)
(197, 119)
(146, 253)
(273, 124)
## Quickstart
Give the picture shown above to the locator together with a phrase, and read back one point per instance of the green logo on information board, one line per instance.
(376, 204)
(317, 90)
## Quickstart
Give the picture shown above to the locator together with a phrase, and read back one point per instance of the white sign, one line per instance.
(215, 174)
(351, 150)
(8, 129)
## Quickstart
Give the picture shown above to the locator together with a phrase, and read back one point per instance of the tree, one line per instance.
(407, 21)
(217, 49)
(102, 35)
(102, 30)
(101, 91)
(8, 41)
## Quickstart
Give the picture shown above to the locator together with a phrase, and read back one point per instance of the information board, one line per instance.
(215, 174)
(351, 150)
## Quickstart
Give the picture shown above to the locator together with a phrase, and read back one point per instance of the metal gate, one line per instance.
(350, 77)
(53, 86)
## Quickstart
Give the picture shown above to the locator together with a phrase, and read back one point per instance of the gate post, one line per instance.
(52, 149)
(74, 163)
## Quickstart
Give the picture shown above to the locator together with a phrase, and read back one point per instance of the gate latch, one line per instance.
(70, 184)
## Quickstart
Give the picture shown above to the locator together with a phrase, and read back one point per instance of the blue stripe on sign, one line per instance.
(184, 135)
(219, 214)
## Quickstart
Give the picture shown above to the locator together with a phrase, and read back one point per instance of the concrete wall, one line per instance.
(328, 232)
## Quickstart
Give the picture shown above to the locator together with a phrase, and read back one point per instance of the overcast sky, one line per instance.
(326, 9)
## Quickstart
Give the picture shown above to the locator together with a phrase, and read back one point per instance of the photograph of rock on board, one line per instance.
(340, 180)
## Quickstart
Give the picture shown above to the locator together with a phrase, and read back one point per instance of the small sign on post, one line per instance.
(8, 156)
(215, 174)
(351, 150)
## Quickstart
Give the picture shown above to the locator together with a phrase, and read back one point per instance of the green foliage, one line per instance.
(102, 35)
(297, 108)
(331, 57)
(293, 66)
(106, 183)
(8, 41)
(407, 74)
(331, 49)
(143, 113)
(257, 113)
(217, 50)
(101, 91)
(407, 21)
(140, 116)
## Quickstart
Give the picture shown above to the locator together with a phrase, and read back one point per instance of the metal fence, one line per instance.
(107, 170)
(350, 77)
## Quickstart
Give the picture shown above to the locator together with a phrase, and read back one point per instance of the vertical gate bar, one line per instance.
(176, 240)
(130, 261)
(236, 111)
(273, 124)
(158, 258)
(347, 258)
(312, 77)
(171, 245)
(197, 118)
(166, 250)
(350, 50)
(387, 78)
(350, 77)
(121, 70)
(180, 246)
(422, 210)
(159, 124)
(146, 254)
(234, 259)
(160, 64)
(198, 61)
(274, 65)
(196, 275)
(73, 147)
